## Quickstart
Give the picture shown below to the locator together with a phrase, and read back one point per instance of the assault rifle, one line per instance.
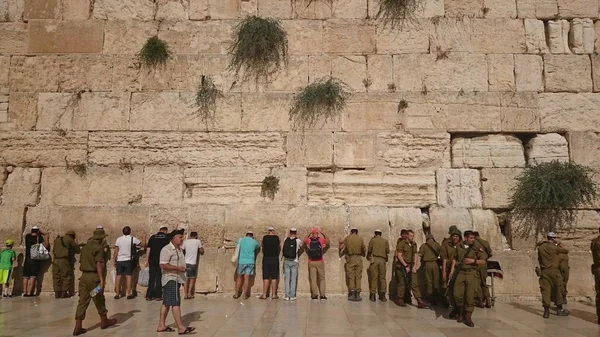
(457, 269)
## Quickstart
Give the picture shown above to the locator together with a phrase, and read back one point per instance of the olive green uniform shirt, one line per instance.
(548, 255)
(427, 254)
(354, 245)
(408, 250)
(476, 253)
(91, 254)
(65, 247)
(378, 247)
(487, 249)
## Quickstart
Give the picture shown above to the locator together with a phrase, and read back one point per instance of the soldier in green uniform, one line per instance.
(377, 254)
(563, 266)
(468, 258)
(65, 248)
(595, 248)
(406, 252)
(446, 252)
(354, 248)
(429, 254)
(394, 280)
(483, 293)
(551, 281)
(92, 266)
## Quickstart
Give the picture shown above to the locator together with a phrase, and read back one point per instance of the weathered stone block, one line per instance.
(162, 185)
(92, 73)
(485, 222)
(330, 220)
(310, 149)
(520, 112)
(418, 151)
(174, 75)
(581, 36)
(102, 111)
(458, 72)
(124, 10)
(173, 10)
(11, 10)
(350, 9)
(22, 187)
(557, 111)
(305, 37)
(208, 221)
(458, 188)
(500, 9)
(584, 148)
(41, 9)
(352, 70)
(451, 34)
(367, 220)
(380, 73)
(528, 73)
(547, 148)
(75, 9)
(292, 185)
(34, 149)
(535, 37)
(567, 73)
(558, 36)
(171, 216)
(199, 10)
(501, 70)
(541, 9)
(23, 110)
(459, 8)
(354, 150)
(578, 8)
(313, 10)
(319, 187)
(496, 186)
(488, 151)
(155, 111)
(265, 112)
(193, 37)
(227, 9)
(348, 37)
(293, 76)
(55, 111)
(371, 112)
(412, 39)
(179, 148)
(405, 218)
(66, 37)
(498, 36)
(441, 218)
(47, 217)
(33, 73)
(223, 186)
(126, 73)
(279, 9)
(4, 69)
(13, 39)
(596, 71)
(127, 37)
(11, 222)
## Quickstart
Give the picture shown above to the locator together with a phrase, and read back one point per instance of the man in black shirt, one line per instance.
(155, 244)
(31, 268)
(271, 247)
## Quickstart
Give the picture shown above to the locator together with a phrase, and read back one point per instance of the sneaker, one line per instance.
(286, 298)
(292, 298)
(315, 297)
(323, 298)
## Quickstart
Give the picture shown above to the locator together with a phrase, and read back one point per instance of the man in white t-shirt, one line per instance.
(124, 260)
(191, 247)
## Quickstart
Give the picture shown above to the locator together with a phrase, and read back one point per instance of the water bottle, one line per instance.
(95, 291)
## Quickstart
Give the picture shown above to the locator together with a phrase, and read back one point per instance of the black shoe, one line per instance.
(323, 298)
(382, 297)
(546, 312)
(351, 295)
(562, 313)
(314, 297)
(357, 297)
(129, 297)
(372, 297)
(453, 314)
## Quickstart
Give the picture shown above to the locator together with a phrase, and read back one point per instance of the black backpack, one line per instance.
(315, 250)
(290, 248)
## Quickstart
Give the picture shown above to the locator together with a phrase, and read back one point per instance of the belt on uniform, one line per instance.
(354, 255)
(84, 271)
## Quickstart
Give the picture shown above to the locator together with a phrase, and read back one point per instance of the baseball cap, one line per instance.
(293, 229)
(314, 230)
(9, 242)
(551, 235)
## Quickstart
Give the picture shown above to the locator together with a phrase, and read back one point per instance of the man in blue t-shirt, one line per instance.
(248, 248)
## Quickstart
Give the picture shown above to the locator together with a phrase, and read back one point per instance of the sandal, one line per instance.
(275, 297)
(236, 296)
(262, 298)
(117, 297)
(187, 330)
(167, 329)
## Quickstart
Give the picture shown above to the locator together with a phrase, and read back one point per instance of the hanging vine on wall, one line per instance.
(155, 52)
(546, 195)
(260, 47)
(322, 100)
(398, 13)
(270, 186)
(206, 99)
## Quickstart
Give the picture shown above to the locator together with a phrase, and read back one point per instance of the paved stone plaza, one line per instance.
(221, 316)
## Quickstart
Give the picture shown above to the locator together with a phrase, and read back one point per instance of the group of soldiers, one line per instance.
(455, 270)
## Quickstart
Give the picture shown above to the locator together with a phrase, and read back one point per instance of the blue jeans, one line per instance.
(290, 277)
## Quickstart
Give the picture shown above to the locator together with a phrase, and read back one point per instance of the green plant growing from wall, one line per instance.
(270, 186)
(155, 52)
(546, 196)
(260, 48)
(402, 105)
(79, 168)
(322, 100)
(206, 99)
(398, 13)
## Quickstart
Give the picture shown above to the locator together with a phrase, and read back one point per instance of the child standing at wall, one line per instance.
(7, 258)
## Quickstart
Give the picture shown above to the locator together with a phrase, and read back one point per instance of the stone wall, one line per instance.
(491, 87)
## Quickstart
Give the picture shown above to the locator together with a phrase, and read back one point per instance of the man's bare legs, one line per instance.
(246, 285)
(178, 321)
(266, 284)
(274, 285)
(128, 279)
(118, 286)
(189, 287)
(162, 319)
(238, 284)
(30, 286)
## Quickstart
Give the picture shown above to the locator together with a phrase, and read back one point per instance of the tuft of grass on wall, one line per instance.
(270, 186)
(398, 13)
(154, 53)
(319, 101)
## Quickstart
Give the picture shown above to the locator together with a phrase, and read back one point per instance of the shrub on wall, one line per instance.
(546, 195)
(270, 186)
(206, 98)
(397, 13)
(260, 47)
(155, 52)
(321, 100)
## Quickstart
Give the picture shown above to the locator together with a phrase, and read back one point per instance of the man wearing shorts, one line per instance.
(248, 248)
(31, 268)
(270, 263)
(172, 264)
(191, 248)
(123, 258)
(7, 258)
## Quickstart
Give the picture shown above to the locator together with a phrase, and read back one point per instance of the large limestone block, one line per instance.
(198, 149)
(584, 148)
(66, 37)
(41, 9)
(126, 73)
(47, 217)
(488, 151)
(223, 185)
(305, 37)
(55, 110)
(485, 222)
(354, 150)
(350, 9)
(581, 36)
(557, 111)
(351, 70)
(124, 9)
(171, 216)
(33, 73)
(348, 37)
(280, 9)
(192, 37)
(292, 185)
(4, 69)
(367, 220)
(162, 185)
(496, 186)
(12, 218)
(34, 149)
(412, 39)
(380, 73)
(540, 9)
(467, 72)
(155, 111)
(331, 220)
(265, 112)
(441, 218)
(578, 8)
(242, 218)
(535, 37)
(500, 9)
(520, 112)
(22, 187)
(11, 10)
(458, 188)
(405, 218)
(584, 230)
(93, 73)
(571, 73)
(596, 71)
(498, 36)
(127, 37)
(208, 221)
(547, 148)
(313, 10)
(451, 34)
(99, 186)
(460, 8)
(528, 73)
(293, 76)
(413, 151)
(173, 10)
(23, 110)
(558, 36)
(136, 217)
(310, 149)
(13, 38)
(102, 111)
(174, 75)
(366, 112)
(319, 187)
(76, 9)
(501, 70)
(519, 276)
